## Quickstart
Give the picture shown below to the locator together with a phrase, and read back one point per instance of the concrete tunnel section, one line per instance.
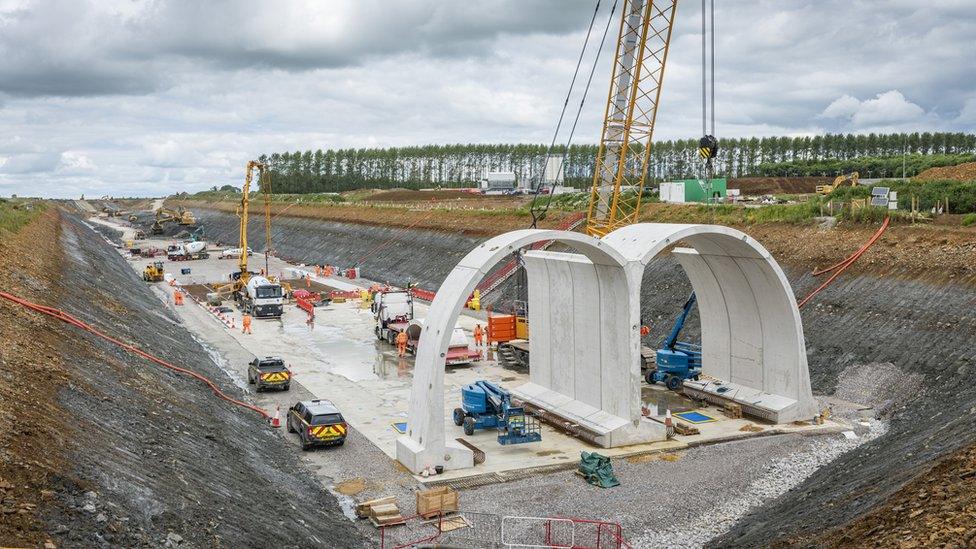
(584, 313)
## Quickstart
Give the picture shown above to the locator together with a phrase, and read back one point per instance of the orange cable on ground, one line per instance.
(843, 265)
(65, 317)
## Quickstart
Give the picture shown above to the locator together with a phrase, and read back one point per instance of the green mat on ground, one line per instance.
(597, 470)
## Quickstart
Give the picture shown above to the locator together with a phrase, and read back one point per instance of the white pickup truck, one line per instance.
(235, 253)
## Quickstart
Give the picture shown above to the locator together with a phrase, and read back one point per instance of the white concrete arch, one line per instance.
(752, 333)
(425, 443)
(584, 313)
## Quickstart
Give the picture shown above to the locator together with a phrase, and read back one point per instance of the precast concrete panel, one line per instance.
(779, 345)
(537, 277)
(588, 380)
(562, 321)
(776, 332)
(746, 328)
(620, 347)
(713, 313)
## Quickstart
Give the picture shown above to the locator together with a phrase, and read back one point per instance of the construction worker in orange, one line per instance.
(246, 324)
(401, 341)
(178, 297)
(479, 336)
(308, 281)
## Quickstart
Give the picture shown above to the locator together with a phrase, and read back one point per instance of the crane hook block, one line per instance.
(708, 147)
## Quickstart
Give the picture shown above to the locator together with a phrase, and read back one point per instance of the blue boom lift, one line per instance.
(485, 405)
(676, 360)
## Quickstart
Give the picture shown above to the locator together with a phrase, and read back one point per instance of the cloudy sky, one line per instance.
(148, 97)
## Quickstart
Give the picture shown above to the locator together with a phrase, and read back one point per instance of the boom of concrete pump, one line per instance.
(263, 297)
(243, 274)
(623, 158)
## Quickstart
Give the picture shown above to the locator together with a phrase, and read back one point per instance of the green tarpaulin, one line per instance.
(597, 470)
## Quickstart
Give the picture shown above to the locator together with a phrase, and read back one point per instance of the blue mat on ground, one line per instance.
(695, 417)
(400, 427)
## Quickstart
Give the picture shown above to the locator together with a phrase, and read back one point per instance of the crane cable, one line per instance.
(532, 208)
(69, 319)
(708, 144)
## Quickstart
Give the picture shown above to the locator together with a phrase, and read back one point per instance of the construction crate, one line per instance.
(437, 501)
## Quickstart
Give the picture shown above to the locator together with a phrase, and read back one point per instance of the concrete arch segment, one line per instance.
(752, 333)
(585, 344)
(425, 444)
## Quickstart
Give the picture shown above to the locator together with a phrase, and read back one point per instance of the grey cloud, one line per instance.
(30, 163)
(84, 48)
(160, 96)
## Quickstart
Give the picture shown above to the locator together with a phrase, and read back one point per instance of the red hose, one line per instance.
(65, 317)
(843, 265)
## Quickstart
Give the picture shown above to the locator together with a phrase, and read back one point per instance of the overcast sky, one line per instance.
(143, 98)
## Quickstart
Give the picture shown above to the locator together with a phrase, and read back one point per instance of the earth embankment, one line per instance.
(110, 450)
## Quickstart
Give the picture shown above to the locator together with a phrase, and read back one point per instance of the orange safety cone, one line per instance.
(276, 420)
(668, 425)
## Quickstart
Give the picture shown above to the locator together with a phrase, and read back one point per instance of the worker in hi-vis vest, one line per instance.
(401, 341)
(479, 335)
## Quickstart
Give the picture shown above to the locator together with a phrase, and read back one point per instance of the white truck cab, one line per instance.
(263, 298)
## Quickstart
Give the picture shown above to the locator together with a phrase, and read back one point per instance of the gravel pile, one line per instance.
(776, 478)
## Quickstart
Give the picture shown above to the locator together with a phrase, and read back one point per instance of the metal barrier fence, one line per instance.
(413, 531)
(489, 531)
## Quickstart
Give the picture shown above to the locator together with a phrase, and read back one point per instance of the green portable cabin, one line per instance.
(693, 190)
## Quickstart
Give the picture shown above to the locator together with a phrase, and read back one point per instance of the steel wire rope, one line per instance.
(579, 110)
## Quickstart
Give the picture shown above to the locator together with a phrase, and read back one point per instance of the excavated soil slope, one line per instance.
(110, 450)
(479, 216)
(386, 254)
(751, 186)
(895, 333)
(961, 172)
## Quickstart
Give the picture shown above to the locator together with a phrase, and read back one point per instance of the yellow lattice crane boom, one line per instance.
(628, 123)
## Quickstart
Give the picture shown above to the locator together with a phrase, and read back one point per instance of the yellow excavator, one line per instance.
(181, 216)
(153, 272)
(839, 182)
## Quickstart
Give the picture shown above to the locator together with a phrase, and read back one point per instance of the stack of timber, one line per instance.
(381, 512)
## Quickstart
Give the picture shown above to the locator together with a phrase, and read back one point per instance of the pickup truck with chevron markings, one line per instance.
(268, 373)
(318, 423)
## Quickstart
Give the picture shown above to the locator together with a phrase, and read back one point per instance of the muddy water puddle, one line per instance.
(665, 400)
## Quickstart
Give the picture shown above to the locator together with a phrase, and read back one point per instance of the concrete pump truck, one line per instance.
(258, 295)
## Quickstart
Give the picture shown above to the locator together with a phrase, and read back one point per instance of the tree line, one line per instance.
(463, 165)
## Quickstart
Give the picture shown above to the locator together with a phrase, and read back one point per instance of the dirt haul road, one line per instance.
(108, 450)
(895, 334)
